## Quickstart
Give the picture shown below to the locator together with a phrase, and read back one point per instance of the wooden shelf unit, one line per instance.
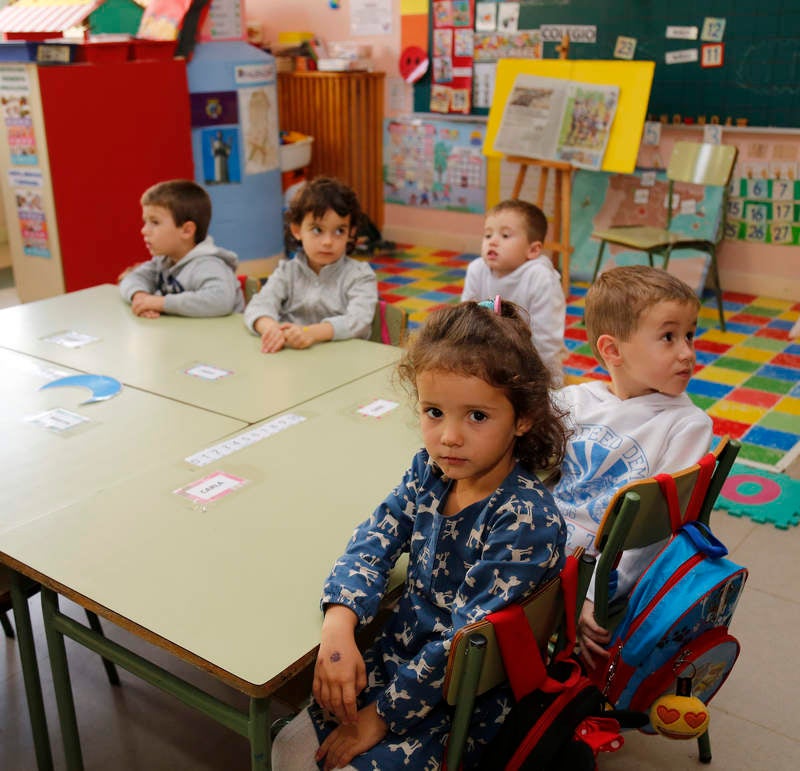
(343, 111)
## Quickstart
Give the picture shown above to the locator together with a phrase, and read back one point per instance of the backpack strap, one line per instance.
(520, 652)
(670, 492)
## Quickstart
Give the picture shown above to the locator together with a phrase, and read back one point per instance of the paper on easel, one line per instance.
(556, 119)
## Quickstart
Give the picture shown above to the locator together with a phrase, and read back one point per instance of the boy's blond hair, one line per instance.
(533, 217)
(185, 200)
(618, 297)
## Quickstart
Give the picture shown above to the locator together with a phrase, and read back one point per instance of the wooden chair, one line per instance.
(389, 324)
(691, 162)
(639, 515)
(475, 664)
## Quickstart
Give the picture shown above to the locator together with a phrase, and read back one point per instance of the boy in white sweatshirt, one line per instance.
(641, 323)
(512, 265)
(189, 275)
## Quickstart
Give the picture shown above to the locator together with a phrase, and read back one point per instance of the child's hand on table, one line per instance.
(340, 674)
(297, 336)
(272, 339)
(148, 306)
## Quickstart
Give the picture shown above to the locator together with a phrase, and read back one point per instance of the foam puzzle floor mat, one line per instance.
(747, 378)
(761, 495)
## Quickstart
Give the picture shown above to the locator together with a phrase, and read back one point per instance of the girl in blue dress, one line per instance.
(480, 530)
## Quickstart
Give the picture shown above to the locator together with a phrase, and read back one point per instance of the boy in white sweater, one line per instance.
(641, 323)
(513, 266)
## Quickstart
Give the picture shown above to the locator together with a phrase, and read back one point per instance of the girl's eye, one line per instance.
(340, 231)
(668, 337)
(478, 416)
(690, 336)
(433, 412)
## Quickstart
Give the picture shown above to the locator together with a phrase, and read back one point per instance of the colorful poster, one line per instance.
(17, 118)
(434, 163)
(26, 187)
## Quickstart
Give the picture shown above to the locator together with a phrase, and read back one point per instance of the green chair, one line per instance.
(639, 515)
(695, 163)
(475, 664)
(389, 324)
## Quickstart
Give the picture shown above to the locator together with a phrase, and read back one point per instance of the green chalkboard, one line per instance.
(759, 79)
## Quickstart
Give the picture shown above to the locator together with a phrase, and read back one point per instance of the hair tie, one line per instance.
(493, 305)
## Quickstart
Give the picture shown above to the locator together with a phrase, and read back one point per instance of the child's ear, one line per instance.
(608, 348)
(523, 425)
(294, 229)
(534, 249)
(188, 229)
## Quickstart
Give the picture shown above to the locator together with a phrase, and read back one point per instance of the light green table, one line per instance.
(45, 470)
(232, 586)
(155, 354)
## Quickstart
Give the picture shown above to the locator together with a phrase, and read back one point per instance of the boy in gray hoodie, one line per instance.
(189, 275)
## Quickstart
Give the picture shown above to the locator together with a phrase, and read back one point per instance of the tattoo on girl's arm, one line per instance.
(336, 656)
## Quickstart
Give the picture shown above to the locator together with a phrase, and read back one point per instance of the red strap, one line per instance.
(707, 464)
(668, 489)
(600, 733)
(521, 657)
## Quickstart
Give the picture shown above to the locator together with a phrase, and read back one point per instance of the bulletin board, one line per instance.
(733, 60)
(633, 79)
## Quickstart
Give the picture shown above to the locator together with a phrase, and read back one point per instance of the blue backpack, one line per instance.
(676, 624)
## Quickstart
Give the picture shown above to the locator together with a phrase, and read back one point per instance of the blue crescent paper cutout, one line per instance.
(101, 386)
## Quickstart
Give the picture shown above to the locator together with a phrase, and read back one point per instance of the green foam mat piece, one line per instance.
(761, 495)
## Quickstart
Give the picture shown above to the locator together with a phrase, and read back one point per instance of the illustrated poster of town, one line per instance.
(434, 163)
(601, 200)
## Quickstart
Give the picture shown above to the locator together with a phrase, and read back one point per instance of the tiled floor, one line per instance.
(754, 724)
(747, 378)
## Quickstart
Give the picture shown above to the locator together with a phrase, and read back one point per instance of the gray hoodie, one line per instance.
(202, 283)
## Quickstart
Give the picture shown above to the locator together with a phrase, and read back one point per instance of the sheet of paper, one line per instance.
(377, 408)
(57, 419)
(208, 372)
(70, 339)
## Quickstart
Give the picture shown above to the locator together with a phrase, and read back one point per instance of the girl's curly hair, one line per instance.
(469, 339)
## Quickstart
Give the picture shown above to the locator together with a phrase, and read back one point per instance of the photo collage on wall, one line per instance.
(453, 55)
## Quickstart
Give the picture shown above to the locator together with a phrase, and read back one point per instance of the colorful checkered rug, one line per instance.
(747, 378)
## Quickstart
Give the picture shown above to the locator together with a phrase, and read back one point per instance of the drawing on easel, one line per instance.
(556, 119)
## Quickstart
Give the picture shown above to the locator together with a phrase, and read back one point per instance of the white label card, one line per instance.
(240, 441)
(57, 420)
(71, 339)
(211, 488)
(648, 178)
(208, 372)
(377, 408)
(682, 33)
(641, 195)
(688, 206)
(681, 57)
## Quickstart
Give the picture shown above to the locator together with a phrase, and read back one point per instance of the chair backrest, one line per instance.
(697, 488)
(701, 164)
(389, 324)
(543, 609)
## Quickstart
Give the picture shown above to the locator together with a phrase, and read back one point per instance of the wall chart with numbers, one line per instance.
(434, 163)
(764, 210)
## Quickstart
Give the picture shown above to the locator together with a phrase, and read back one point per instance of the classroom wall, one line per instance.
(744, 267)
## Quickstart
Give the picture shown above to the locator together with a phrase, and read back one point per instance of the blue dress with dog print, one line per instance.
(461, 567)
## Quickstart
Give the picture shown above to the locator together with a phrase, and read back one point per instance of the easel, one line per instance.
(560, 221)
